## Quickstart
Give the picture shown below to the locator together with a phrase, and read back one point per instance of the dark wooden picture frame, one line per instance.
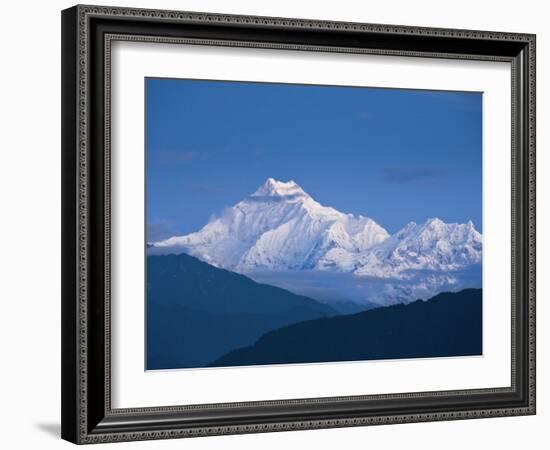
(87, 33)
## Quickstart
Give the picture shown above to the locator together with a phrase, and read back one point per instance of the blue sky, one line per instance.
(391, 154)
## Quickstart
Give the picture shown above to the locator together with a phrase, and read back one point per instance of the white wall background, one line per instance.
(30, 225)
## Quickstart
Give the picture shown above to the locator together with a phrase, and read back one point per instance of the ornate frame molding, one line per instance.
(84, 421)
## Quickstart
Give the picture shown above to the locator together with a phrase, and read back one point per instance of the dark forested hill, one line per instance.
(197, 312)
(449, 324)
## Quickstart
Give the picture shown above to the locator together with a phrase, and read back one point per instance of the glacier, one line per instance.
(281, 233)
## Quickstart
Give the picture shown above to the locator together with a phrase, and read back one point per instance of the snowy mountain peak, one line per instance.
(280, 228)
(434, 222)
(434, 245)
(275, 188)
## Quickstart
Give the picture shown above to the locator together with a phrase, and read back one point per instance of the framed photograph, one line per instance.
(277, 224)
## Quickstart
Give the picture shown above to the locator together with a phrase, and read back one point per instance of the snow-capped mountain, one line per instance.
(281, 229)
(434, 245)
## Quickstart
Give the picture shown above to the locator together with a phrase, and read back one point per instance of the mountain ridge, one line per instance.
(281, 227)
(449, 324)
(216, 289)
(197, 312)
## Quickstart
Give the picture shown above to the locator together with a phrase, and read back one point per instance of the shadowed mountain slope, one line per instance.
(197, 312)
(449, 324)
